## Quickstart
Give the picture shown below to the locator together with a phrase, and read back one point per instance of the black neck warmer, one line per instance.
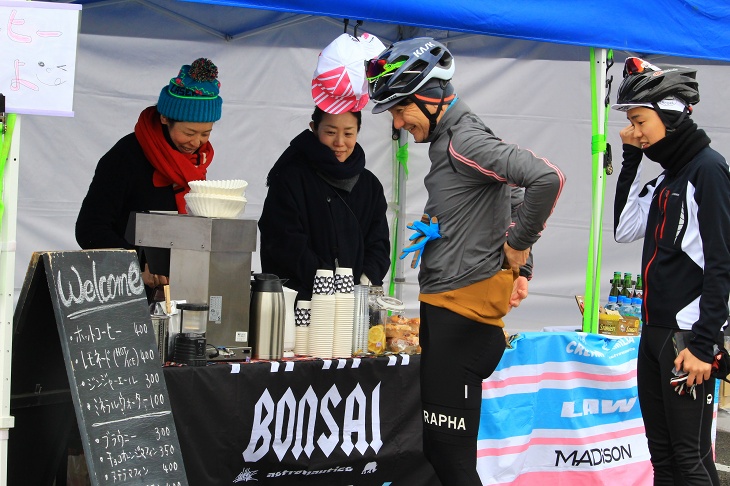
(321, 158)
(679, 146)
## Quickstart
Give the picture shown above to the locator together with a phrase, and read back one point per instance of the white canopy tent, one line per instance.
(533, 93)
(530, 92)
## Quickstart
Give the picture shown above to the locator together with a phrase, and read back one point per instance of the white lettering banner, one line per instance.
(562, 408)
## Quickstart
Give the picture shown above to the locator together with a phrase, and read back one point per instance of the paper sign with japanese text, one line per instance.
(38, 56)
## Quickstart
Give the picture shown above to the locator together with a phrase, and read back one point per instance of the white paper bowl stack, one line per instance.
(214, 205)
(231, 187)
(216, 199)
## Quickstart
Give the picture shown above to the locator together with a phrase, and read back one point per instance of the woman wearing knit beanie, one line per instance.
(150, 168)
(684, 217)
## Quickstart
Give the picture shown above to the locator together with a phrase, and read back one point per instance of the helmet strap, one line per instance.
(432, 117)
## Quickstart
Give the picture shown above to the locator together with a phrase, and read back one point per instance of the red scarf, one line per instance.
(172, 167)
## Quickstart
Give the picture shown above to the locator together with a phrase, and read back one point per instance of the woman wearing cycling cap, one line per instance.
(324, 209)
(684, 217)
(488, 202)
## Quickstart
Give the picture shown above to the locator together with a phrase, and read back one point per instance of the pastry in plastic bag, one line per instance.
(402, 335)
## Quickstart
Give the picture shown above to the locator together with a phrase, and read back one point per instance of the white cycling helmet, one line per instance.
(405, 68)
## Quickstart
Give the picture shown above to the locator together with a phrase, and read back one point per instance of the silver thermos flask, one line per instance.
(266, 320)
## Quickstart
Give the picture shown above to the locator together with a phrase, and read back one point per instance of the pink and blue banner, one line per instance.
(562, 409)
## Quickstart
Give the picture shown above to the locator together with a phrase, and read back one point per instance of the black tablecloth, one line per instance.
(313, 422)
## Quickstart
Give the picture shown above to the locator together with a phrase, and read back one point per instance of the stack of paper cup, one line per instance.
(344, 311)
(361, 320)
(322, 319)
(344, 282)
(301, 321)
(324, 283)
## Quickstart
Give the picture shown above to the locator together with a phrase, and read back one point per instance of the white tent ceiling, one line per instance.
(533, 93)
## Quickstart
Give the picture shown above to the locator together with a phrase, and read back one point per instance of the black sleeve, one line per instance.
(712, 187)
(376, 260)
(517, 196)
(629, 170)
(102, 220)
(285, 248)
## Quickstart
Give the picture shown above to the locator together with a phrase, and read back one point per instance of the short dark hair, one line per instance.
(319, 114)
(170, 121)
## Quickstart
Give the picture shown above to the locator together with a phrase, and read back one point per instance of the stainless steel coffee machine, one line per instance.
(210, 262)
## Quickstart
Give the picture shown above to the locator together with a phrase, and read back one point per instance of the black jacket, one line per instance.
(122, 185)
(684, 218)
(308, 224)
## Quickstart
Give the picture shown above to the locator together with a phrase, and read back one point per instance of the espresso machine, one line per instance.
(210, 263)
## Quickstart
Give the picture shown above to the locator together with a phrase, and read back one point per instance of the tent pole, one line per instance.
(10, 143)
(400, 175)
(598, 147)
(183, 19)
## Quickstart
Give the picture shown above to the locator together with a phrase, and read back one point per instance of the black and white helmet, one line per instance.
(404, 68)
(671, 88)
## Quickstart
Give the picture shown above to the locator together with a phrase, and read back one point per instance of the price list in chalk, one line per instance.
(121, 399)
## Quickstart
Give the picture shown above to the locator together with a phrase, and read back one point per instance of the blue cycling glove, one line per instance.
(426, 229)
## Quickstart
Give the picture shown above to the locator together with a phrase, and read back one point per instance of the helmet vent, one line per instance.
(445, 60)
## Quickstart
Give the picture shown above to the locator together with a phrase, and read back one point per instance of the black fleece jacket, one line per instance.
(684, 217)
(308, 224)
(122, 185)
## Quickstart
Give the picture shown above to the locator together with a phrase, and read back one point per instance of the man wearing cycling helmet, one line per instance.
(475, 259)
(684, 217)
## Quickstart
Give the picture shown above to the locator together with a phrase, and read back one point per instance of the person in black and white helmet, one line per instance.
(421, 77)
(684, 217)
(488, 202)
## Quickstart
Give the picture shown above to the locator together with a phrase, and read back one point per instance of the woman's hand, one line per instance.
(152, 280)
(697, 369)
(627, 136)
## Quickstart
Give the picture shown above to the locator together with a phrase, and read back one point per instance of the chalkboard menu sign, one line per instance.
(115, 377)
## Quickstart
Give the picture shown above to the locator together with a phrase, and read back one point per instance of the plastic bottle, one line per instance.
(636, 304)
(625, 307)
(612, 303)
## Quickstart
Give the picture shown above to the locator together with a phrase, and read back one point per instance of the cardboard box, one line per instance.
(616, 325)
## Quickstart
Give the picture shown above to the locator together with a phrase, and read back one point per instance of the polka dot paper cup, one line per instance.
(344, 282)
(303, 313)
(324, 282)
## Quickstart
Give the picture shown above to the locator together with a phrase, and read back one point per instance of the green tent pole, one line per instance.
(4, 153)
(599, 120)
(399, 177)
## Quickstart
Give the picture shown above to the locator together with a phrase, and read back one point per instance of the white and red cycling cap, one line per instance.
(339, 84)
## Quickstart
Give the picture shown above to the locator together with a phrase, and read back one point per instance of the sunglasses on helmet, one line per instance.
(375, 68)
(635, 65)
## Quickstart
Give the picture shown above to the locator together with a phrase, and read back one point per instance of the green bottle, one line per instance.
(639, 288)
(627, 291)
(615, 285)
